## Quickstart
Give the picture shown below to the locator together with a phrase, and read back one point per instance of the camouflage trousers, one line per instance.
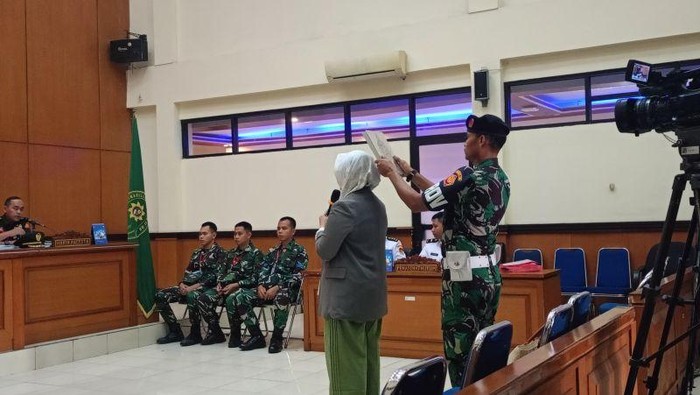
(467, 307)
(166, 296)
(207, 301)
(240, 304)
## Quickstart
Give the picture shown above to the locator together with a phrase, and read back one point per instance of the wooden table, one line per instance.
(55, 293)
(412, 327)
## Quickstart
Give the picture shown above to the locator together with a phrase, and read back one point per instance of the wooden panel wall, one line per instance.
(57, 293)
(64, 127)
(591, 359)
(637, 242)
(13, 73)
(6, 305)
(172, 253)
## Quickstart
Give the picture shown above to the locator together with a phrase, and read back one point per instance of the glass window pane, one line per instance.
(437, 161)
(321, 126)
(606, 90)
(547, 103)
(261, 132)
(389, 117)
(209, 137)
(444, 114)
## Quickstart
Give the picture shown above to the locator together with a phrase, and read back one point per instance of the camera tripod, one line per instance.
(652, 289)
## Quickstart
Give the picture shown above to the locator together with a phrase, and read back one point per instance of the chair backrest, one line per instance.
(572, 265)
(613, 268)
(675, 252)
(424, 377)
(498, 252)
(581, 303)
(533, 254)
(489, 352)
(558, 323)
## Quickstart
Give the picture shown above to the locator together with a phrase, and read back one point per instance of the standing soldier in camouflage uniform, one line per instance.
(200, 275)
(278, 284)
(475, 199)
(240, 271)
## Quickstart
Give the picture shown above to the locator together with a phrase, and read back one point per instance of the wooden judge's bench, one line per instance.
(54, 293)
(411, 329)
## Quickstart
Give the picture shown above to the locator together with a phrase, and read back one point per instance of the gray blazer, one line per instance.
(353, 280)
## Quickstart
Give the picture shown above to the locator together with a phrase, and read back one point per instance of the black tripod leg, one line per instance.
(653, 380)
(687, 383)
(688, 378)
(652, 288)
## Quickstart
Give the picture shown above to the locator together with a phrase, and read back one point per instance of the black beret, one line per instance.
(487, 124)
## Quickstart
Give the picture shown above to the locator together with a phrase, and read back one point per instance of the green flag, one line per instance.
(138, 228)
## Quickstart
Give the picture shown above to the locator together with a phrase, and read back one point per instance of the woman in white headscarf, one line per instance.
(353, 289)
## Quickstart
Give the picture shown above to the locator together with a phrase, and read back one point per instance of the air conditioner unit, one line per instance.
(380, 65)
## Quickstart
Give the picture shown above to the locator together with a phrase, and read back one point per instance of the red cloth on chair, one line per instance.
(523, 266)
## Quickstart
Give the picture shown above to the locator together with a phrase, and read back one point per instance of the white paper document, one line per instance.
(380, 148)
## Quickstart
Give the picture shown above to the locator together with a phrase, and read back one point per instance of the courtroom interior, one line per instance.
(241, 108)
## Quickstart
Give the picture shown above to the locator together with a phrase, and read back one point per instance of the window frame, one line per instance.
(287, 112)
(587, 76)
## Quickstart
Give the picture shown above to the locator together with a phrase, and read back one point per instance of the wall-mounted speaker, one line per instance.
(481, 85)
(129, 50)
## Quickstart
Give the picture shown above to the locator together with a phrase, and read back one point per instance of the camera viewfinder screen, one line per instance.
(638, 72)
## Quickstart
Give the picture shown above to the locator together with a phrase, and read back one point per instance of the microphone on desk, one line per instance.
(32, 221)
(335, 195)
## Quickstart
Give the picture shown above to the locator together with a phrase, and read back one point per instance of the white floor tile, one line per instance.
(252, 385)
(89, 347)
(122, 340)
(54, 354)
(17, 361)
(172, 369)
(26, 388)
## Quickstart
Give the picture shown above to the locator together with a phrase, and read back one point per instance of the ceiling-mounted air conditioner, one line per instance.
(373, 66)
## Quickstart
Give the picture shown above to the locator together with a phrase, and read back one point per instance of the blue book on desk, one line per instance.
(389, 254)
(99, 234)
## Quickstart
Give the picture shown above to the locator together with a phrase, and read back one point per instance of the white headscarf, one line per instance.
(355, 170)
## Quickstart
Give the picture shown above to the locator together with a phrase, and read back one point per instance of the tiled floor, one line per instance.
(171, 369)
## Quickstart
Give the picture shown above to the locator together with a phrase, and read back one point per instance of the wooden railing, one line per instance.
(591, 359)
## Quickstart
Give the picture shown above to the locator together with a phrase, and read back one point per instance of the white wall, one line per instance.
(219, 57)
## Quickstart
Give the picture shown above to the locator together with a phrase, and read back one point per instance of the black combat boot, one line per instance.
(214, 335)
(195, 336)
(234, 339)
(257, 340)
(276, 341)
(174, 334)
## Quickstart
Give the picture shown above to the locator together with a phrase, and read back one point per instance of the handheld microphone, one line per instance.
(335, 195)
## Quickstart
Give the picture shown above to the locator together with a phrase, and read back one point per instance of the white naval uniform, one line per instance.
(432, 249)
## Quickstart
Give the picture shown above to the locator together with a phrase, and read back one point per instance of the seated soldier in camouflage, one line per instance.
(278, 285)
(200, 275)
(239, 271)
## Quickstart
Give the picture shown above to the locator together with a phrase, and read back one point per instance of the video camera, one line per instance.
(668, 103)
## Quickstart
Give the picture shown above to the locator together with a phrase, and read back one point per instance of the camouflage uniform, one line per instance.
(283, 267)
(475, 200)
(203, 268)
(7, 224)
(241, 266)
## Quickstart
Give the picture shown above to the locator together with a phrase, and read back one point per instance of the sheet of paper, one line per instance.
(380, 147)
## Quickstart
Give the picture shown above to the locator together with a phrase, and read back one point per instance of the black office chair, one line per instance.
(675, 252)
(424, 377)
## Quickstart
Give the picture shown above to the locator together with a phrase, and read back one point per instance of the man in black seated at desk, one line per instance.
(12, 224)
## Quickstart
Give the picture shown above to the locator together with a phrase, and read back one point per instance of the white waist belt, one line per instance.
(475, 262)
(481, 261)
